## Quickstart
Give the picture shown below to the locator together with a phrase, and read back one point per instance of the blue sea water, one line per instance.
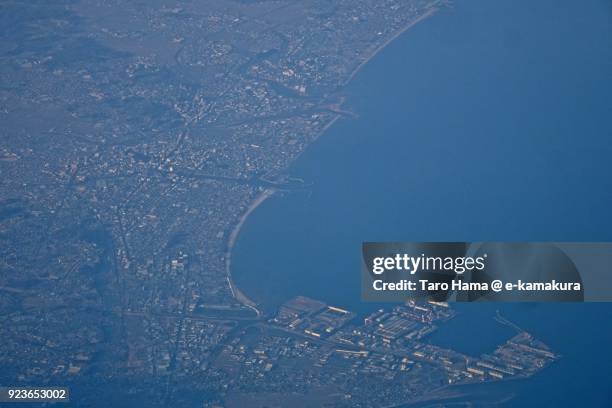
(491, 120)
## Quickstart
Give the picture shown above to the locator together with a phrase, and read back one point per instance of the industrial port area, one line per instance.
(322, 353)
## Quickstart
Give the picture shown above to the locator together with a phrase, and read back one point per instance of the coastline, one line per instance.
(267, 193)
(236, 292)
(433, 8)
